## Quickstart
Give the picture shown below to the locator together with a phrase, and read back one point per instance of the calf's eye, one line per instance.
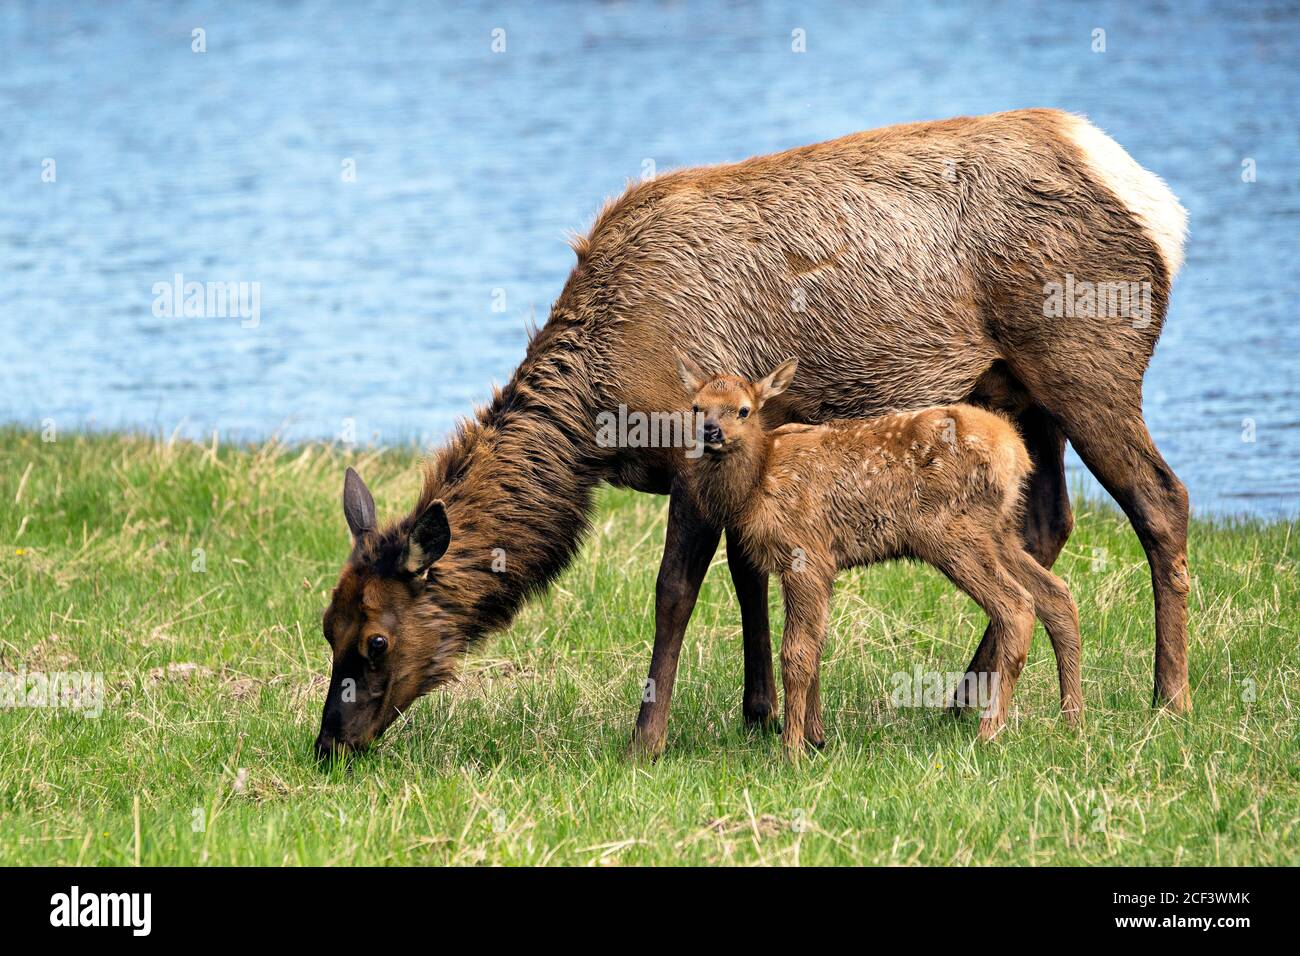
(377, 645)
(744, 413)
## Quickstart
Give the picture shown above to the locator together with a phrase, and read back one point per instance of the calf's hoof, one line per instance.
(1176, 702)
(1072, 715)
(793, 746)
(990, 727)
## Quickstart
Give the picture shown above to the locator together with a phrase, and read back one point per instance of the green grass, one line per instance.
(523, 760)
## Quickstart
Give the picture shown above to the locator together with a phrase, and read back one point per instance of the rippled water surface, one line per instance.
(393, 301)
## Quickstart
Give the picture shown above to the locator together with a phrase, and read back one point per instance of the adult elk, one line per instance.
(904, 267)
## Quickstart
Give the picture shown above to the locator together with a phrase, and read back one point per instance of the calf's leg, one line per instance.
(977, 570)
(1046, 521)
(807, 596)
(813, 732)
(1055, 607)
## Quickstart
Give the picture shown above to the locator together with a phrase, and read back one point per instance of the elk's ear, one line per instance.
(691, 375)
(358, 505)
(778, 381)
(429, 538)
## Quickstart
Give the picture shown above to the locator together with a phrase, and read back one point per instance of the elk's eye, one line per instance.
(744, 413)
(377, 645)
(695, 409)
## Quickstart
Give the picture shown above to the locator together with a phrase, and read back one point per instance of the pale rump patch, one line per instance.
(1143, 192)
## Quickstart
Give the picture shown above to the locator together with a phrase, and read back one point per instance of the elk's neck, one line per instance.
(518, 483)
(726, 483)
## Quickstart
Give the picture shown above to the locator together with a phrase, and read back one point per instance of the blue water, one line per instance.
(389, 304)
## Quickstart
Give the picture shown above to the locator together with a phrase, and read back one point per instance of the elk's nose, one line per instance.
(328, 746)
(712, 432)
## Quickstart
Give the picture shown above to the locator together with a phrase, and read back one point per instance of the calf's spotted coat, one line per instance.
(940, 485)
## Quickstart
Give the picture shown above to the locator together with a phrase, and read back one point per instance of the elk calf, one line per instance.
(941, 485)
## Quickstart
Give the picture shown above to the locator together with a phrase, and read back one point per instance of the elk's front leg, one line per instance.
(690, 545)
(759, 703)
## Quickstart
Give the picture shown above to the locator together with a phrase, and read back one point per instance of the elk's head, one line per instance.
(729, 408)
(393, 633)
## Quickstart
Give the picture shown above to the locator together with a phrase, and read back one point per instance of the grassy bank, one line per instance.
(194, 578)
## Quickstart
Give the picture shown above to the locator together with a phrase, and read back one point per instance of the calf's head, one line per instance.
(729, 409)
(392, 630)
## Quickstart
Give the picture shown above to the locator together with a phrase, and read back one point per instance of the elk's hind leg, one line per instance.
(1055, 607)
(1115, 445)
(1103, 421)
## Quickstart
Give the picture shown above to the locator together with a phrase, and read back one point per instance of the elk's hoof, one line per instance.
(762, 717)
(643, 748)
(959, 704)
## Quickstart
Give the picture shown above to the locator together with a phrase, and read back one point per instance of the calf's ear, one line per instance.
(692, 377)
(429, 538)
(778, 381)
(358, 505)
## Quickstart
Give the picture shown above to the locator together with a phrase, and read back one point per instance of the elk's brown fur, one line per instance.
(904, 267)
(940, 485)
